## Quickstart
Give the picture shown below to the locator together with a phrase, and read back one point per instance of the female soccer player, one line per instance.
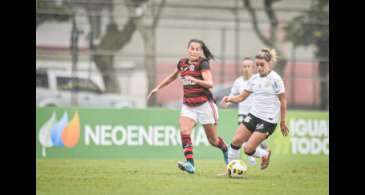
(239, 85)
(269, 100)
(198, 103)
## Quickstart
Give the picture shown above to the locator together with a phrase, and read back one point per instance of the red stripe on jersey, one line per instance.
(189, 149)
(191, 73)
(193, 90)
(194, 101)
(199, 92)
(189, 156)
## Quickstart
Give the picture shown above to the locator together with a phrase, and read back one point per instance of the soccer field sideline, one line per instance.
(287, 174)
(150, 169)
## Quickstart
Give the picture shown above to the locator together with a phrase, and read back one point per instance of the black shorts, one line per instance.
(241, 117)
(255, 124)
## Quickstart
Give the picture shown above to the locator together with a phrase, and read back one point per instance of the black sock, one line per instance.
(235, 147)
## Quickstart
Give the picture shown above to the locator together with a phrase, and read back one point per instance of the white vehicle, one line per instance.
(57, 88)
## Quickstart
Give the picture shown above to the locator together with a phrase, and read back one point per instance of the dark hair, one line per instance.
(206, 51)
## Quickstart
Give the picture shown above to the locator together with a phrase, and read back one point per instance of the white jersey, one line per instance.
(266, 104)
(238, 86)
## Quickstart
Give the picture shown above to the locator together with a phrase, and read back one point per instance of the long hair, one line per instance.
(267, 54)
(208, 55)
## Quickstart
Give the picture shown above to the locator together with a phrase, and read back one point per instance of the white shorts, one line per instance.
(206, 113)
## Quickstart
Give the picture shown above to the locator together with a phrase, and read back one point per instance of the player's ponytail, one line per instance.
(207, 52)
(268, 54)
(208, 55)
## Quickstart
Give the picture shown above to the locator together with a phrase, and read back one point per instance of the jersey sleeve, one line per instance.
(204, 65)
(177, 65)
(234, 89)
(278, 85)
(249, 86)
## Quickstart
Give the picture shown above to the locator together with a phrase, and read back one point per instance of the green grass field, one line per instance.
(287, 174)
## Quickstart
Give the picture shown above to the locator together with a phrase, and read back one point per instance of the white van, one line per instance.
(56, 88)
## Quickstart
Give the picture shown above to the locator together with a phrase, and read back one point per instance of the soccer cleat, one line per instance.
(264, 145)
(265, 160)
(225, 157)
(186, 166)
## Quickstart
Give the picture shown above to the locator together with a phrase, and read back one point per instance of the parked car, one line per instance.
(57, 88)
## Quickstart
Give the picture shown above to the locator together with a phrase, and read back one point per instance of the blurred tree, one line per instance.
(112, 41)
(311, 29)
(51, 6)
(271, 41)
(146, 26)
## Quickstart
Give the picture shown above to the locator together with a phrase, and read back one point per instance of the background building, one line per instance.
(147, 37)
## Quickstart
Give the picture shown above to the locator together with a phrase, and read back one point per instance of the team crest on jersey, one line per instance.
(184, 68)
(267, 84)
(191, 67)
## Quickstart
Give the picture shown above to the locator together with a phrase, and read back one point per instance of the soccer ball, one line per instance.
(236, 169)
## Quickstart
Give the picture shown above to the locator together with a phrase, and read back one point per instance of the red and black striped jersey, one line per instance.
(194, 94)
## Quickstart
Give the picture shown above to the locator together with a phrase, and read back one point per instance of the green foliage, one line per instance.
(48, 10)
(310, 28)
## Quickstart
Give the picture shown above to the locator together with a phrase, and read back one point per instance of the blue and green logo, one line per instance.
(60, 133)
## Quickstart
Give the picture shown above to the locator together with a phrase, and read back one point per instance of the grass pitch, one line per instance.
(287, 174)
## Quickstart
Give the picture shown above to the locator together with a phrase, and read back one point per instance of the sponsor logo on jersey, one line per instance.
(260, 126)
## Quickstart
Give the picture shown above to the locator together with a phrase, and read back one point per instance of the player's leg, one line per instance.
(251, 148)
(242, 134)
(251, 159)
(256, 144)
(208, 117)
(215, 140)
(186, 127)
(187, 122)
(262, 146)
(241, 118)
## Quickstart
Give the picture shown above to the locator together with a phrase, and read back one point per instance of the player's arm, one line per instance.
(207, 81)
(283, 127)
(234, 91)
(237, 98)
(170, 78)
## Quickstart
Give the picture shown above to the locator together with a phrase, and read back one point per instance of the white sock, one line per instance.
(233, 154)
(252, 160)
(260, 152)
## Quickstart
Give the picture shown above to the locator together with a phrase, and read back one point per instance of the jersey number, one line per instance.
(247, 119)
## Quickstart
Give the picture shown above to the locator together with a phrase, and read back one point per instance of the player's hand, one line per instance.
(284, 128)
(224, 102)
(151, 93)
